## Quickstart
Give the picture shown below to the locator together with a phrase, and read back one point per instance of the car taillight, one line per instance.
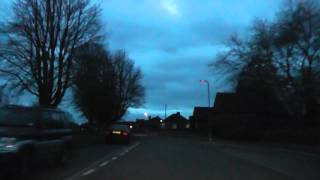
(125, 133)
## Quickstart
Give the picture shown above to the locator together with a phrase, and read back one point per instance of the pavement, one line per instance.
(172, 157)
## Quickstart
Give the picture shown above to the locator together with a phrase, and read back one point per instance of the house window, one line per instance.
(187, 126)
(174, 126)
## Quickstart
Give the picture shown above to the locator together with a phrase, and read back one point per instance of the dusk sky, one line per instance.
(173, 41)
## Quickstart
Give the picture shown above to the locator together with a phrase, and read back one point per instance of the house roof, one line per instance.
(202, 113)
(176, 117)
(157, 118)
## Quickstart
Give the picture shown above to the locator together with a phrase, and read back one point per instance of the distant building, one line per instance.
(251, 111)
(130, 124)
(176, 122)
(141, 125)
(246, 114)
(200, 119)
(154, 124)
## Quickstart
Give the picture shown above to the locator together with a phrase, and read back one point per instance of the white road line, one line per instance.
(104, 164)
(100, 163)
(88, 172)
(134, 145)
(123, 153)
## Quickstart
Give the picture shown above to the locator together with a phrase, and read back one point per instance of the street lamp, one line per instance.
(165, 111)
(208, 85)
(209, 125)
(146, 115)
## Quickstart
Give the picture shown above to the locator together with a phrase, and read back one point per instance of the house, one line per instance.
(154, 124)
(200, 119)
(249, 112)
(246, 114)
(176, 122)
(130, 124)
(141, 125)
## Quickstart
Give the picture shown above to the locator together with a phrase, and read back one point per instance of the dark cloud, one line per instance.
(173, 44)
(173, 41)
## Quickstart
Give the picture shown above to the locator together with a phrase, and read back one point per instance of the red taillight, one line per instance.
(125, 133)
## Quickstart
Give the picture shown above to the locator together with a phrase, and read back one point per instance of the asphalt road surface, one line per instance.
(169, 157)
(176, 156)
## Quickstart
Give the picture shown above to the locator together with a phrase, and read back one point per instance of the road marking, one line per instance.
(123, 153)
(134, 145)
(104, 163)
(101, 162)
(88, 172)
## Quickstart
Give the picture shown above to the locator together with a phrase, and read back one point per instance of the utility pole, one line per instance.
(209, 124)
(165, 111)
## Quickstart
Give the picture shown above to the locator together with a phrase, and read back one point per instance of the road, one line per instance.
(172, 158)
(176, 156)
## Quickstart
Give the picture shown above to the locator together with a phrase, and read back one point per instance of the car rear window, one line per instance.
(119, 127)
(17, 117)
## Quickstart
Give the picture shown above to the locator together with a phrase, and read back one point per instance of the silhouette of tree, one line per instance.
(41, 40)
(298, 53)
(106, 85)
(282, 56)
(129, 91)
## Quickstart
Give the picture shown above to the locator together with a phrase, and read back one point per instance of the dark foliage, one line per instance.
(106, 85)
(280, 58)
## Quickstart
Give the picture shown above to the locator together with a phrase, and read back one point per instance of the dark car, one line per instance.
(30, 135)
(118, 134)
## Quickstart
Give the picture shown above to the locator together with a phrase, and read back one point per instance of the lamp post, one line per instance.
(146, 115)
(165, 111)
(209, 124)
(208, 85)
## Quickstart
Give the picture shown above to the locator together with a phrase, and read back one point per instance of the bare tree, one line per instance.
(106, 85)
(41, 40)
(283, 56)
(297, 52)
(129, 90)
(93, 83)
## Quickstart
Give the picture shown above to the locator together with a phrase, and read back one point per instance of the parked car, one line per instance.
(118, 134)
(30, 135)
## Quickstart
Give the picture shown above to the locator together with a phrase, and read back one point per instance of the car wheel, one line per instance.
(64, 156)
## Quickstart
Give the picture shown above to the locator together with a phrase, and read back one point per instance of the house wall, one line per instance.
(245, 125)
(174, 125)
